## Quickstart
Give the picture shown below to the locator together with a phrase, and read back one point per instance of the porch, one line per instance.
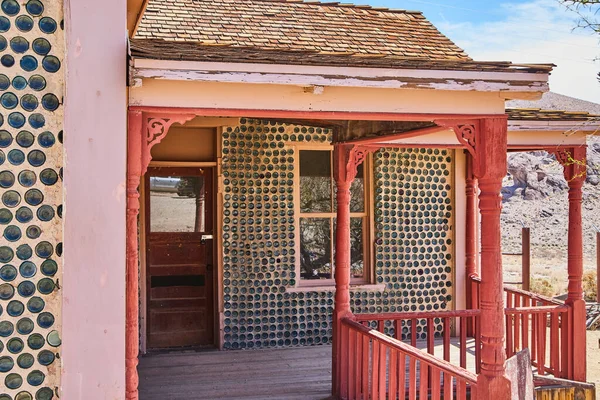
(285, 374)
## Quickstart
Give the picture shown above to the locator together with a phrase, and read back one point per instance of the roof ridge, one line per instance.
(346, 5)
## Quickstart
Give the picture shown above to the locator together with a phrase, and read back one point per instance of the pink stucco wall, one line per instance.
(94, 184)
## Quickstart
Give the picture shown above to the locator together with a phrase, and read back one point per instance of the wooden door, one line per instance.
(179, 278)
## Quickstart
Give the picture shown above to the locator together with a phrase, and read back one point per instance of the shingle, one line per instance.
(265, 23)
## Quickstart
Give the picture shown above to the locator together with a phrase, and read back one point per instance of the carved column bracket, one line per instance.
(353, 156)
(573, 160)
(468, 134)
(155, 129)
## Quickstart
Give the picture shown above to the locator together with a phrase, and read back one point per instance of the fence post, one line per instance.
(526, 258)
(598, 267)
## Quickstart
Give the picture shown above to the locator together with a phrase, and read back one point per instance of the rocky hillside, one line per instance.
(535, 195)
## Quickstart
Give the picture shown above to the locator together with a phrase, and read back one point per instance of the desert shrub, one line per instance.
(542, 286)
(589, 285)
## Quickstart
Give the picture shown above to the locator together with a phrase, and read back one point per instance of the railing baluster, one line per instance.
(366, 348)
(533, 348)
(517, 326)
(509, 327)
(541, 342)
(461, 389)
(412, 378)
(382, 371)
(344, 364)
(357, 365)
(413, 332)
(478, 344)
(564, 345)
(351, 358)
(430, 341)
(393, 375)
(435, 383)
(448, 388)
(423, 381)
(375, 371)
(381, 326)
(554, 345)
(463, 342)
(526, 327)
(402, 377)
(446, 334)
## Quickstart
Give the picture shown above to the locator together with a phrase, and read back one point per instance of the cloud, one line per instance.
(538, 31)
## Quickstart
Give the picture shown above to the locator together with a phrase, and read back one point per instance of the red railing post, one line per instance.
(526, 258)
(574, 165)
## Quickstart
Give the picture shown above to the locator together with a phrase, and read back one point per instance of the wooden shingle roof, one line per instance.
(297, 26)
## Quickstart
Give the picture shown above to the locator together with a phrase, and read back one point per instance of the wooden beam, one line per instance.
(387, 137)
(303, 115)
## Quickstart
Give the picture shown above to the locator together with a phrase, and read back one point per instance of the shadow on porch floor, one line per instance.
(284, 374)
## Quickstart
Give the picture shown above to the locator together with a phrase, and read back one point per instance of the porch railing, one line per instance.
(434, 325)
(542, 324)
(376, 366)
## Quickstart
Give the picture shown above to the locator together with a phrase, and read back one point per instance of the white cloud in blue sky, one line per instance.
(534, 31)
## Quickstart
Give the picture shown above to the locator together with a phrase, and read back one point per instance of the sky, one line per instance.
(521, 31)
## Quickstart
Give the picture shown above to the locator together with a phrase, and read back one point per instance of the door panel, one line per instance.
(179, 257)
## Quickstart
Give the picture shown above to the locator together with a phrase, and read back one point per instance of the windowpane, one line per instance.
(357, 257)
(315, 248)
(357, 192)
(357, 249)
(177, 204)
(315, 181)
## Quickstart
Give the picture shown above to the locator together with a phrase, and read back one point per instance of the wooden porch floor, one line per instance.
(302, 373)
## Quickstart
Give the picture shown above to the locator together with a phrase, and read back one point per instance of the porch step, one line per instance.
(547, 388)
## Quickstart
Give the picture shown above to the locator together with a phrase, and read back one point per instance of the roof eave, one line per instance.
(516, 84)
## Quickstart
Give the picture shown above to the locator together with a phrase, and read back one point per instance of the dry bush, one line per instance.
(589, 285)
(542, 286)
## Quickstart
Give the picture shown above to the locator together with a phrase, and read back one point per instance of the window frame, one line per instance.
(366, 215)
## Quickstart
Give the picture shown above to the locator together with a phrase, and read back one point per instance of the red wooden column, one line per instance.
(486, 141)
(134, 172)
(490, 169)
(471, 242)
(144, 132)
(346, 160)
(471, 234)
(574, 165)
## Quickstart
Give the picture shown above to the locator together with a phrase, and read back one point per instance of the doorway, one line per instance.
(179, 214)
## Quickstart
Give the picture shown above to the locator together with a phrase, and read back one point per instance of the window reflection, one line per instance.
(315, 248)
(177, 204)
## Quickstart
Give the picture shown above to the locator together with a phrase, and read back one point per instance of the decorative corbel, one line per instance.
(156, 128)
(573, 160)
(467, 132)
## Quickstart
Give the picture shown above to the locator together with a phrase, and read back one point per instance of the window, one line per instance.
(317, 216)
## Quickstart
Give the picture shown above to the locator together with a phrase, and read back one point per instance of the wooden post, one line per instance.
(574, 165)
(486, 141)
(134, 172)
(144, 131)
(347, 158)
(597, 267)
(526, 258)
(471, 241)
(490, 168)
